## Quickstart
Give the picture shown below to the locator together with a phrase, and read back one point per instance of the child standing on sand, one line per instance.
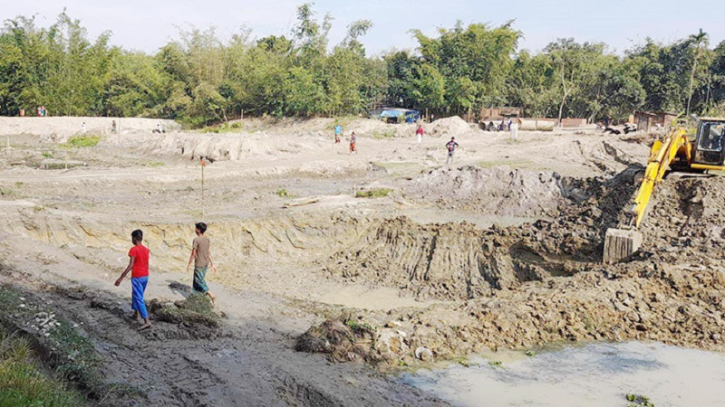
(338, 132)
(201, 256)
(139, 264)
(353, 141)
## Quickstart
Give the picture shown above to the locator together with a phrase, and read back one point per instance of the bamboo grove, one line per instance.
(199, 79)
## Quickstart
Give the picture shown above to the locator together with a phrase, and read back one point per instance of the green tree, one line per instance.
(699, 40)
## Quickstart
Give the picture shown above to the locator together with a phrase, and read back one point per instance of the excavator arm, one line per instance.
(620, 244)
(662, 155)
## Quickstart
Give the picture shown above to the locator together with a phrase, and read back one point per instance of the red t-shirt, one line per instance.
(141, 261)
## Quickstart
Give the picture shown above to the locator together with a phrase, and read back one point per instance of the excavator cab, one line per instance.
(709, 148)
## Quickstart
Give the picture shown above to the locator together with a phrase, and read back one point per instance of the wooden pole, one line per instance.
(203, 211)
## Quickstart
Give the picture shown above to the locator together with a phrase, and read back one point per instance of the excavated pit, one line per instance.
(450, 261)
(514, 287)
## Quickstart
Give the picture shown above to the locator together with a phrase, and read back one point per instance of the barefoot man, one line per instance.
(201, 256)
(139, 263)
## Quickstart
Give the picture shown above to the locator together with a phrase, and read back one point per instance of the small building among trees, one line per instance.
(649, 121)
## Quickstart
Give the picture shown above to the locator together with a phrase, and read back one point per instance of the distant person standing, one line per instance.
(451, 147)
(201, 256)
(114, 129)
(338, 132)
(83, 128)
(419, 132)
(353, 143)
(514, 126)
(138, 264)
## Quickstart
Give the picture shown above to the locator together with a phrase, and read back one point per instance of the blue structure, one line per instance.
(411, 116)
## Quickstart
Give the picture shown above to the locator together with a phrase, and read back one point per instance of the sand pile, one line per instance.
(219, 147)
(60, 129)
(373, 128)
(499, 190)
(448, 127)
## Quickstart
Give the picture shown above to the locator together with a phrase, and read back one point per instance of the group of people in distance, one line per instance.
(138, 266)
(419, 132)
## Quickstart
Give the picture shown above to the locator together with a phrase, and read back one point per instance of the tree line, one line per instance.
(199, 79)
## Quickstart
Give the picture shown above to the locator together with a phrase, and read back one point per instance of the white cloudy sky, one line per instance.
(148, 24)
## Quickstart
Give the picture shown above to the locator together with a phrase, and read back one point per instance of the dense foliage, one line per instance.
(199, 79)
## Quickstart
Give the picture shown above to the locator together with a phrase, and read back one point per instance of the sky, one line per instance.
(146, 25)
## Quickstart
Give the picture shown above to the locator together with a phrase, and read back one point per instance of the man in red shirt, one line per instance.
(139, 264)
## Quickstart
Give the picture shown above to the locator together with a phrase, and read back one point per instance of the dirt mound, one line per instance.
(60, 129)
(686, 221)
(195, 310)
(450, 126)
(219, 147)
(344, 340)
(499, 190)
(451, 261)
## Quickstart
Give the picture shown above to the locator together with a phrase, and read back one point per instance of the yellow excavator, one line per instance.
(677, 152)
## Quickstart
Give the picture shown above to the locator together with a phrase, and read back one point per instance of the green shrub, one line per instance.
(383, 135)
(195, 309)
(23, 383)
(82, 141)
(374, 193)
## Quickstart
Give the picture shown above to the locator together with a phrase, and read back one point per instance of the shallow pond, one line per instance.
(597, 374)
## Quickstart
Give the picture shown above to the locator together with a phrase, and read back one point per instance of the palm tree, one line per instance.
(699, 39)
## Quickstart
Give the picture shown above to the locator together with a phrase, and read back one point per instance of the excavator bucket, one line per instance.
(620, 245)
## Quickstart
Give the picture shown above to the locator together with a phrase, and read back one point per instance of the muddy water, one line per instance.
(592, 375)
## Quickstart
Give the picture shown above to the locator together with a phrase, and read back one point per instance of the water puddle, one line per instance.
(592, 375)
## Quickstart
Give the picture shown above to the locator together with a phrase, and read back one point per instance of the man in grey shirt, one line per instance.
(201, 256)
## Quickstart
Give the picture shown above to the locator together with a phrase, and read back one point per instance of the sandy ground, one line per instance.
(285, 226)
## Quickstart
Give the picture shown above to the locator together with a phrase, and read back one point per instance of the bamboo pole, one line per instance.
(203, 210)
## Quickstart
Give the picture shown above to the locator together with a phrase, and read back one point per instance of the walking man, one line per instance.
(201, 256)
(139, 265)
(515, 128)
(451, 146)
